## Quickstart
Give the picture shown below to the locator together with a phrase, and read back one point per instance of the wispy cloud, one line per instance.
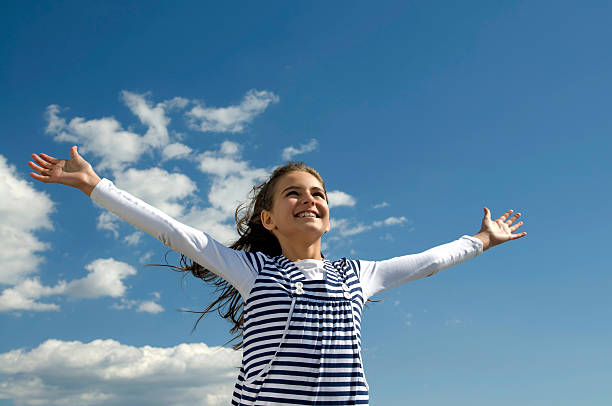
(380, 205)
(346, 227)
(110, 373)
(109, 222)
(231, 119)
(290, 152)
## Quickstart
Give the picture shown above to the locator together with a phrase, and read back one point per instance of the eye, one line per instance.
(319, 194)
(292, 192)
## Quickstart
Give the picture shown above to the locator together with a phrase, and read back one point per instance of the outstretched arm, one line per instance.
(378, 276)
(236, 267)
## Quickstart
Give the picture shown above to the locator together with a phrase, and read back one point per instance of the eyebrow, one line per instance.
(298, 187)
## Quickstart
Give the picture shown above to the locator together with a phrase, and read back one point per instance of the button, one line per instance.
(299, 291)
(347, 295)
(345, 287)
(299, 285)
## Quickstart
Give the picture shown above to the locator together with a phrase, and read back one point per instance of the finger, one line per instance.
(39, 177)
(41, 161)
(504, 216)
(513, 218)
(515, 236)
(42, 171)
(516, 226)
(49, 158)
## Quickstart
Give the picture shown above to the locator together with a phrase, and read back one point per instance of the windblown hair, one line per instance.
(254, 237)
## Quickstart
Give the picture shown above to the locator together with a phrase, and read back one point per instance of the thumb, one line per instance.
(74, 154)
(487, 215)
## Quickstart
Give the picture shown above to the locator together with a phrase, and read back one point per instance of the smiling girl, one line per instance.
(299, 314)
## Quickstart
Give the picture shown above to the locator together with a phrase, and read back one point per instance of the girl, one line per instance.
(301, 313)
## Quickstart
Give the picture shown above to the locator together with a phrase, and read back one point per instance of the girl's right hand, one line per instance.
(76, 172)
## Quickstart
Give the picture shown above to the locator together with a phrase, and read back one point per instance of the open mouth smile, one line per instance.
(307, 214)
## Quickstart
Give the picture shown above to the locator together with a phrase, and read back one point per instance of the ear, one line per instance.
(267, 220)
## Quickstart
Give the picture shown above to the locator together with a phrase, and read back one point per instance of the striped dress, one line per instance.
(302, 341)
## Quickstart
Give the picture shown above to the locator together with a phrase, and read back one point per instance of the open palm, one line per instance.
(502, 229)
(75, 172)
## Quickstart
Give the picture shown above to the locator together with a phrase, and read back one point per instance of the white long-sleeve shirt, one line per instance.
(234, 267)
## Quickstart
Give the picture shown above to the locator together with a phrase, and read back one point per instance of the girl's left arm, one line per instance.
(377, 276)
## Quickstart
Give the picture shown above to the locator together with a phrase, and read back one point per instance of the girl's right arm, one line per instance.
(237, 267)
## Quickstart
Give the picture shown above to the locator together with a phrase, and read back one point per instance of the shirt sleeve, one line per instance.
(239, 268)
(378, 276)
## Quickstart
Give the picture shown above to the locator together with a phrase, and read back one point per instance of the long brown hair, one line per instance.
(253, 238)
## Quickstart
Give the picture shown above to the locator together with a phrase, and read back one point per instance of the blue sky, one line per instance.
(417, 112)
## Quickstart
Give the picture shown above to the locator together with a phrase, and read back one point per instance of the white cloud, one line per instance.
(232, 119)
(291, 151)
(381, 205)
(142, 306)
(133, 239)
(110, 373)
(108, 221)
(232, 177)
(105, 278)
(23, 211)
(158, 187)
(23, 296)
(152, 116)
(175, 151)
(103, 138)
(347, 227)
(149, 306)
(390, 221)
(338, 198)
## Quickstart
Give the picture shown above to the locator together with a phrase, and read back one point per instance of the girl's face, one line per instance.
(299, 209)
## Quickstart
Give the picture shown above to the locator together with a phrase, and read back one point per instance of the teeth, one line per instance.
(307, 214)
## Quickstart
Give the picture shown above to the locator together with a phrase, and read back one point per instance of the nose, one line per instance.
(309, 198)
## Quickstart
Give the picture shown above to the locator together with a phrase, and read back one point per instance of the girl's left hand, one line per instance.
(493, 233)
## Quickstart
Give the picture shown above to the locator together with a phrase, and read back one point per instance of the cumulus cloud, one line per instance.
(175, 150)
(338, 198)
(290, 152)
(158, 187)
(232, 177)
(110, 373)
(232, 119)
(105, 278)
(153, 117)
(24, 296)
(23, 211)
(104, 138)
